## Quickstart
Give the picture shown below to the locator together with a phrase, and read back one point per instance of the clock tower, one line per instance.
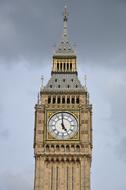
(63, 125)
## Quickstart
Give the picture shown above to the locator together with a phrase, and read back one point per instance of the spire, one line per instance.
(66, 14)
(65, 48)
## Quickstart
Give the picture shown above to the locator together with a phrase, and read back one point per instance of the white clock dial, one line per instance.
(63, 125)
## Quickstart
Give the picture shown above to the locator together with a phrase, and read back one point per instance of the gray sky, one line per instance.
(28, 32)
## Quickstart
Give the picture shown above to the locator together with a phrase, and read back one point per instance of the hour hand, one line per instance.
(63, 127)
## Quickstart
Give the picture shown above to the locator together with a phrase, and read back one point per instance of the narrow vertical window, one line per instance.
(49, 100)
(64, 66)
(68, 100)
(61, 66)
(58, 100)
(77, 100)
(63, 100)
(67, 66)
(54, 100)
(58, 66)
(73, 100)
(71, 66)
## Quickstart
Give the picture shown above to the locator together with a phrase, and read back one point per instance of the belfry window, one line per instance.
(67, 66)
(73, 100)
(63, 100)
(64, 66)
(58, 100)
(71, 66)
(49, 100)
(77, 100)
(58, 66)
(68, 100)
(61, 66)
(54, 100)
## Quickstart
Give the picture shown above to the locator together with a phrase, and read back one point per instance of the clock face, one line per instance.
(63, 126)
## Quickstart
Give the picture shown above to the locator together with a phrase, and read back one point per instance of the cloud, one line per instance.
(29, 29)
(4, 133)
(17, 181)
(120, 149)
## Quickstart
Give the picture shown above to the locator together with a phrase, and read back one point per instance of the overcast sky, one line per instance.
(29, 31)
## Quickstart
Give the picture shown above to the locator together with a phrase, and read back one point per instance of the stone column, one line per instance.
(87, 174)
(37, 174)
(54, 176)
(77, 176)
(41, 174)
(82, 168)
(70, 176)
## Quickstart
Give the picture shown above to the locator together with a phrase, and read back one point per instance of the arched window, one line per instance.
(58, 100)
(77, 100)
(73, 100)
(54, 100)
(68, 100)
(63, 100)
(49, 100)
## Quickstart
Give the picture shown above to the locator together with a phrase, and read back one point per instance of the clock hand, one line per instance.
(63, 126)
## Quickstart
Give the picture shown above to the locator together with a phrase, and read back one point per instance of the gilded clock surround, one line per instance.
(63, 164)
(50, 113)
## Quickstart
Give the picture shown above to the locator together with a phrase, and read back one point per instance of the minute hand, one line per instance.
(63, 126)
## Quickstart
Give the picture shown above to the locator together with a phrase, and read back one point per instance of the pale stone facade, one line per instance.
(63, 164)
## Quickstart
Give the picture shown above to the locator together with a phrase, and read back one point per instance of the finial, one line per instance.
(38, 97)
(42, 79)
(66, 14)
(85, 81)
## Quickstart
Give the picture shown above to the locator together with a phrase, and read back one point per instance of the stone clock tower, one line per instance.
(63, 125)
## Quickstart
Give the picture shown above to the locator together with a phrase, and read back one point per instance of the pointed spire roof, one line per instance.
(65, 48)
